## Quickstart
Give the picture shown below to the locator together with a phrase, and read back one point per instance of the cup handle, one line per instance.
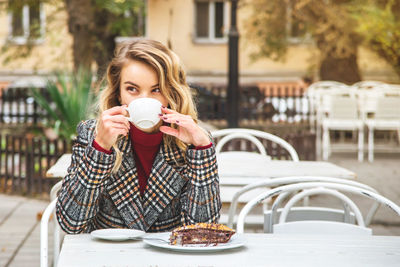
(129, 118)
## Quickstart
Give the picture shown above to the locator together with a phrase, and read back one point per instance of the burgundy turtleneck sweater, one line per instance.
(145, 147)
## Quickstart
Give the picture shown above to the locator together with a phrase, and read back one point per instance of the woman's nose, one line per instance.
(144, 94)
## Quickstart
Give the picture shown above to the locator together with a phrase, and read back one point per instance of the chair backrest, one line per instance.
(316, 90)
(302, 186)
(343, 108)
(293, 180)
(368, 85)
(388, 108)
(249, 137)
(308, 192)
(320, 227)
(240, 132)
(324, 85)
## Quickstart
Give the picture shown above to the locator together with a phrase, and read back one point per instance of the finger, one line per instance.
(169, 131)
(115, 125)
(109, 126)
(116, 110)
(168, 111)
(175, 118)
(119, 119)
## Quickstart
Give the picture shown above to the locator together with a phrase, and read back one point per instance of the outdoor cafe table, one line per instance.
(259, 250)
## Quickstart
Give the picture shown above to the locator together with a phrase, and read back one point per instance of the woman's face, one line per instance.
(138, 80)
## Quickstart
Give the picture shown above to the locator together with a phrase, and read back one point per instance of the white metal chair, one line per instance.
(252, 135)
(311, 185)
(314, 95)
(386, 117)
(44, 226)
(255, 137)
(269, 215)
(343, 115)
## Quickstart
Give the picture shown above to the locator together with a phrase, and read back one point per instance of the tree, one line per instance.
(94, 24)
(381, 31)
(330, 25)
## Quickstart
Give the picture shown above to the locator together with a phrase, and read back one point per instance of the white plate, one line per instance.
(115, 234)
(235, 242)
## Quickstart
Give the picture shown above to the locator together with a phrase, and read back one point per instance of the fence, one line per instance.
(24, 161)
(261, 104)
(17, 106)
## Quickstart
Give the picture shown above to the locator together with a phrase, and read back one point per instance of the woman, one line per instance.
(152, 180)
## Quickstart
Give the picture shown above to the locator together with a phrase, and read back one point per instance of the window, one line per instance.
(210, 21)
(26, 22)
(296, 29)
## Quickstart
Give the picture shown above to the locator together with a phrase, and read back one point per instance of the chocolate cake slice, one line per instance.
(201, 233)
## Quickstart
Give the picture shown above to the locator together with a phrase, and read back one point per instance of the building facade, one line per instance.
(195, 29)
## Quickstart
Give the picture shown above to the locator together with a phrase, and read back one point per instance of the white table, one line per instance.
(260, 250)
(252, 165)
(60, 168)
(237, 169)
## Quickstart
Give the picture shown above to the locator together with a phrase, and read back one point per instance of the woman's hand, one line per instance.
(188, 131)
(112, 124)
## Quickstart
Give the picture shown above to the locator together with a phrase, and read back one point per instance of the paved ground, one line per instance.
(20, 231)
(20, 228)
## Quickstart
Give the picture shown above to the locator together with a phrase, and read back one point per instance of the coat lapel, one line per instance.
(123, 187)
(165, 182)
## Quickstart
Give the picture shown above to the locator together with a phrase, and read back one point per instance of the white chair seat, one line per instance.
(320, 227)
(383, 124)
(342, 124)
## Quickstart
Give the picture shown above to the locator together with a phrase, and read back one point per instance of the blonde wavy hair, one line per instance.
(171, 76)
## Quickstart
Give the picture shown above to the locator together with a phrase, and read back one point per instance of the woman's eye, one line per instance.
(157, 90)
(132, 89)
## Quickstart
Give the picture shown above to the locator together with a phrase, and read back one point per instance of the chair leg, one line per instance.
(371, 144)
(318, 139)
(56, 246)
(360, 144)
(325, 143)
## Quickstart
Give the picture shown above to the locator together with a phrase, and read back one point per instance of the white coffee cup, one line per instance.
(143, 112)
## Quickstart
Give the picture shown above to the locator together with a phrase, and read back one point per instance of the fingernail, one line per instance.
(177, 121)
(164, 118)
(162, 106)
(160, 114)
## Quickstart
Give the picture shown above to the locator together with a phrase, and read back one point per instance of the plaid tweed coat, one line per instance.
(179, 191)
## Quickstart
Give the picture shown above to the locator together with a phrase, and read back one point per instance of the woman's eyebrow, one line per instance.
(131, 83)
(134, 84)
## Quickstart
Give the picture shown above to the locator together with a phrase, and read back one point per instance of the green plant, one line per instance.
(70, 100)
